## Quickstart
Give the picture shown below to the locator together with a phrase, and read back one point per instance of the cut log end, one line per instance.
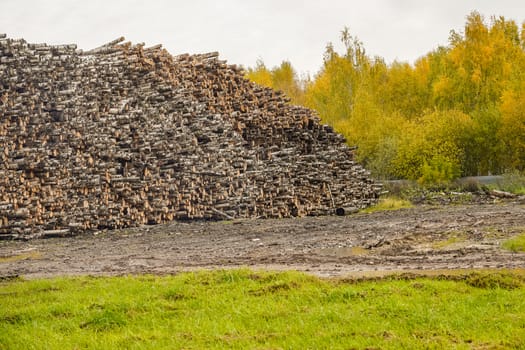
(346, 211)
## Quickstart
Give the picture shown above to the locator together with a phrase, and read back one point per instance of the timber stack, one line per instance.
(124, 135)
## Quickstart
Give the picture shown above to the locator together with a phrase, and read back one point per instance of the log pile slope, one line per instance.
(124, 135)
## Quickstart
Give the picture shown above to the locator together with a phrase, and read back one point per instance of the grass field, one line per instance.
(515, 244)
(244, 309)
(389, 203)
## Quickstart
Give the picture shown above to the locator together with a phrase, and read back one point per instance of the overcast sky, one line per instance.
(246, 30)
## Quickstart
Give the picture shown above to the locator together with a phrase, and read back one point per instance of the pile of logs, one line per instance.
(124, 135)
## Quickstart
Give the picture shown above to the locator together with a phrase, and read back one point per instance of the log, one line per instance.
(502, 194)
(55, 233)
(123, 135)
(346, 211)
(222, 214)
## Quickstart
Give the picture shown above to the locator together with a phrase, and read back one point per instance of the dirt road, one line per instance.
(421, 238)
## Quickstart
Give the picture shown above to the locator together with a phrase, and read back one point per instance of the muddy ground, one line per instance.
(422, 238)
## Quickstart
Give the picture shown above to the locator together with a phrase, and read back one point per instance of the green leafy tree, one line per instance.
(433, 146)
(512, 131)
(457, 111)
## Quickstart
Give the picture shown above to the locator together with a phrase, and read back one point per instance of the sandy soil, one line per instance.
(422, 238)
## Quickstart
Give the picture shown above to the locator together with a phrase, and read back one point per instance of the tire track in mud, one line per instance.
(420, 238)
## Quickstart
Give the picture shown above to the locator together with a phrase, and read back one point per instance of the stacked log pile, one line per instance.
(124, 135)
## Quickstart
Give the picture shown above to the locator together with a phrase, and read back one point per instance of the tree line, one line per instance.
(457, 111)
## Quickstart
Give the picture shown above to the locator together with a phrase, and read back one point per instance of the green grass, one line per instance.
(453, 238)
(243, 309)
(389, 203)
(515, 244)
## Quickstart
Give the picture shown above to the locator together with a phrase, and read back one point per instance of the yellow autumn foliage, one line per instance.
(457, 111)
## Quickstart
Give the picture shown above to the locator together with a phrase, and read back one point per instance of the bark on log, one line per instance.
(123, 135)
